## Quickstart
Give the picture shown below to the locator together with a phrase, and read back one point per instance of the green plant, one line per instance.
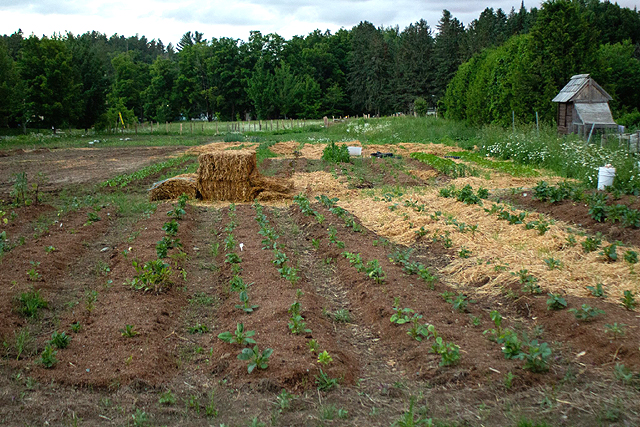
(91, 218)
(537, 359)
(610, 252)
(90, 298)
(333, 153)
(586, 312)
(21, 342)
(30, 302)
(617, 330)
(76, 327)
(628, 300)
(284, 399)
(401, 316)
(128, 331)
(464, 253)
(418, 331)
(529, 282)
(239, 336)
(553, 263)
(374, 271)
(315, 243)
(623, 373)
(33, 273)
(167, 398)
(591, 244)
(256, 358)
(342, 316)
(460, 303)
(631, 257)
(171, 228)
(297, 325)
(449, 352)
(597, 291)
(48, 249)
(408, 419)
(325, 358)
(511, 345)
(556, 302)
(246, 306)
(152, 276)
(325, 382)
(60, 340)
(313, 345)
(198, 328)
(48, 357)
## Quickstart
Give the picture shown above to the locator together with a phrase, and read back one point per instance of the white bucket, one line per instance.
(355, 151)
(605, 177)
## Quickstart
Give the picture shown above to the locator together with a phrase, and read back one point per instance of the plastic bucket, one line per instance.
(355, 151)
(605, 177)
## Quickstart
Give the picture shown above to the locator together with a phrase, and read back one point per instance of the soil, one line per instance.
(176, 371)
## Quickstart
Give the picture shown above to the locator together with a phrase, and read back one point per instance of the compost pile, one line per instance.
(225, 175)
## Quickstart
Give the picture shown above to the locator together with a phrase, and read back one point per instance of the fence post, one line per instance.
(180, 129)
(537, 124)
(513, 120)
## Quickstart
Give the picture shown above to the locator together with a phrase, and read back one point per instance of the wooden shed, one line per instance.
(583, 107)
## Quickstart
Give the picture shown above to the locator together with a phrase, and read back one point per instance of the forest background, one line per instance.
(499, 66)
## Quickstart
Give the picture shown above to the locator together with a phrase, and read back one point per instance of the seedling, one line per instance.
(60, 340)
(586, 312)
(90, 297)
(284, 400)
(232, 258)
(537, 360)
(496, 318)
(464, 253)
(246, 306)
(631, 257)
(511, 345)
(92, 217)
(167, 398)
(460, 303)
(553, 263)
(556, 302)
(401, 316)
(629, 300)
(297, 325)
(49, 249)
(171, 227)
(76, 327)
(315, 243)
(239, 336)
(342, 316)
(597, 291)
(48, 357)
(324, 358)
(29, 303)
(528, 281)
(374, 271)
(449, 352)
(418, 331)
(33, 273)
(128, 331)
(610, 252)
(592, 243)
(617, 330)
(153, 275)
(313, 345)
(256, 358)
(237, 284)
(508, 380)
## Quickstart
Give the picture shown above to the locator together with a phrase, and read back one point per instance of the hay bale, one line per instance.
(174, 187)
(236, 165)
(232, 191)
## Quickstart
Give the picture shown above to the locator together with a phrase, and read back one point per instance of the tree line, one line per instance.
(521, 77)
(90, 79)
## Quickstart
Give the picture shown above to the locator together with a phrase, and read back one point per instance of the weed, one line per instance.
(33, 273)
(284, 399)
(256, 358)
(90, 297)
(140, 418)
(315, 243)
(464, 253)
(76, 327)
(508, 380)
(48, 357)
(325, 382)
(22, 342)
(408, 419)
(202, 298)
(460, 303)
(628, 300)
(325, 358)
(312, 345)
(167, 398)
(60, 340)
(570, 241)
(342, 316)
(29, 303)
(623, 373)
(198, 328)
(529, 282)
(128, 331)
(239, 336)
(556, 302)
(631, 257)
(333, 153)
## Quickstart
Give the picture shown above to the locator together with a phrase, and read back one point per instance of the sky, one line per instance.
(168, 20)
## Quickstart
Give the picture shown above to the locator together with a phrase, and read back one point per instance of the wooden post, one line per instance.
(180, 129)
(513, 120)
(271, 124)
(151, 124)
(537, 124)
(191, 127)
(216, 128)
(136, 128)
(166, 127)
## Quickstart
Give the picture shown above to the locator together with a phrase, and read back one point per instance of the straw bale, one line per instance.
(233, 191)
(218, 146)
(496, 243)
(174, 187)
(226, 165)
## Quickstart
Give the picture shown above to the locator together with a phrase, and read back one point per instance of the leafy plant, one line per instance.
(153, 275)
(617, 330)
(464, 253)
(76, 327)
(401, 316)
(528, 281)
(591, 244)
(333, 153)
(610, 252)
(232, 258)
(537, 359)
(256, 358)
(553, 263)
(33, 273)
(597, 291)
(90, 298)
(239, 336)
(556, 302)
(628, 300)
(631, 257)
(128, 331)
(460, 303)
(198, 328)
(408, 419)
(449, 352)
(60, 340)
(171, 227)
(325, 382)
(48, 357)
(586, 312)
(325, 358)
(342, 316)
(30, 303)
(297, 325)
(245, 305)
(374, 271)
(418, 331)
(313, 345)
(167, 398)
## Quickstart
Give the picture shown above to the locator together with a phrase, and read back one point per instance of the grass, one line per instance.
(511, 168)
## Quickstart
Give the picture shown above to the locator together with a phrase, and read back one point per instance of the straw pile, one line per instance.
(174, 187)
(218, 146)
(233, 176)
(496, 243)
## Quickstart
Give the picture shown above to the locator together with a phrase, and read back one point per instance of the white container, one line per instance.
(355, 151)
(606, 174)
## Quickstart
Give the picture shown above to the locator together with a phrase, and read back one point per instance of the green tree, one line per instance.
(447, 51)
(160, 101)
(8, 83)
(131, 79)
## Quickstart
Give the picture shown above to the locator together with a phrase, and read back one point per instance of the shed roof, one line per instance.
(596, 113)
(576, 85)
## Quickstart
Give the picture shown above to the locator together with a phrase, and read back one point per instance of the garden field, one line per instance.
(437, 286)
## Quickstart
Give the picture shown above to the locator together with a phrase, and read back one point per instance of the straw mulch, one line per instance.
(497, 243)
(218, 146)
(174, 187)
(424, 175)
(233, 176)
(503, 180)
(316, 183)
(285, 148)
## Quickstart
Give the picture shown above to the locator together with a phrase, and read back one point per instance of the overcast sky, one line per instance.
(168, 20)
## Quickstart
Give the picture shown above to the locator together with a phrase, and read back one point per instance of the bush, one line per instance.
(333, 153)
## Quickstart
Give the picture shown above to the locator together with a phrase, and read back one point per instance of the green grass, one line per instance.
(446, 166)
(508, 167)
(126, 179)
